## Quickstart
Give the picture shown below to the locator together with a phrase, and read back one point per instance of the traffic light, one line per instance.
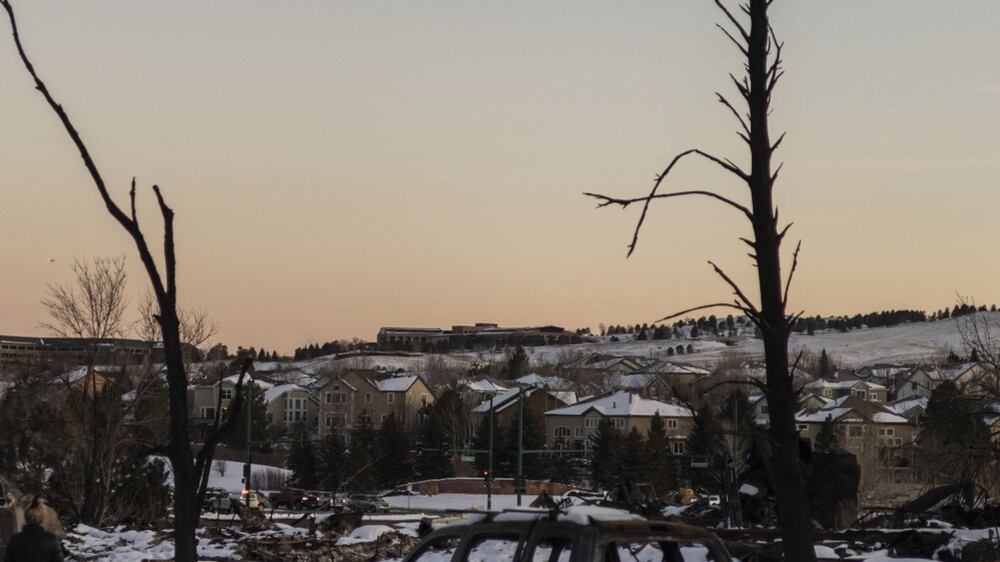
(246, 475)
(486, 475)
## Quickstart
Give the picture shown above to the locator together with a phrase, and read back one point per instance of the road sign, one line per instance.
(468, 458)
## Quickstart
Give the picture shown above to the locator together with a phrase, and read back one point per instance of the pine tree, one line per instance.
(533, 438)
(824, 365)
(635, 461)
(482, 442)
(605, 455)
(302, 460)
(517, 364)
(362, 456)
(432, 434)
(332, 461)
(826, 439)
(394, 453)
(260, 421)
(660, 473)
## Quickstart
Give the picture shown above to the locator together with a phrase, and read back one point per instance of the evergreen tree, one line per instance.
(260, 421)
(362, 456)
(482, 442)
(706, 440)
(823, 368)
(533, 438)
(635, 461)
(332, 461)
(517, 364)
(565, 468)
(432, 434)
(302, 460)
(394, 453)
(605, 455)
(826, 439)
(660, 473)
(642, 336)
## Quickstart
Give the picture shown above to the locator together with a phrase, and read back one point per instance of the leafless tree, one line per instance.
(750, 31)
(164, 286)
(93, 306)
(197, 328)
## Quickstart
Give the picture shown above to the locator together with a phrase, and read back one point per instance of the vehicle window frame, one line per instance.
(460, 540)
(493, 532)
(544, 531)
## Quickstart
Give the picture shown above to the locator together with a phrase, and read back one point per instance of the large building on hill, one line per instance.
(469, 337)
(20, 350)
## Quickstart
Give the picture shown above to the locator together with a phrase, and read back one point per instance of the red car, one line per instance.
(293, 498)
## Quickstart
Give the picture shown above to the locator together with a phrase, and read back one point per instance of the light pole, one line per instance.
(518, 482)
(489, 470)
(249, 466)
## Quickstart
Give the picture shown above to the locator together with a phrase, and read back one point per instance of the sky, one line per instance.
(340, 166)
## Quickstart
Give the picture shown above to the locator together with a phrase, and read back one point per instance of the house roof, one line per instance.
(263, 385)
(840, 408)
(675, 368)
(900, 407)
(622, 403)
(482, 385)
(508, 398)
(843, 384)
(400, 383)
(534, 379)
(275, 392)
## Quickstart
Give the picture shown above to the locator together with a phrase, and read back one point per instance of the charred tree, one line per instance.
(755, 39)
(188, 472)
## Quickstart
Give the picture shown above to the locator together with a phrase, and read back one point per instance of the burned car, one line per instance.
(576, 534)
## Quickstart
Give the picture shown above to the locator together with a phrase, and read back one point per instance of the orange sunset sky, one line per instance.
(339, 166)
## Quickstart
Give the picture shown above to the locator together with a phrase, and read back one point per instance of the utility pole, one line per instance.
(489, 476)
(519, 481)
(248, 469)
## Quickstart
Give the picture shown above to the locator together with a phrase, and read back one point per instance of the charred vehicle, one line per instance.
(577, 534)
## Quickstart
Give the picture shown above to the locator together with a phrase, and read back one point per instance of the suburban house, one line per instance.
(807, 401)
(291, 407)
(592, 368)
(885, 375)
(911, 408)
(203, 399)
(404, 395)
(681, 378)
(860, 425)
(647, 385)
(475, 392)
(537, 401)
(838, 388)
(920, 381)
(573, 425)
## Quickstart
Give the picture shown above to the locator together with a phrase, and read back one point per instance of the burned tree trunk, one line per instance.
(756, 42)
(187, 508)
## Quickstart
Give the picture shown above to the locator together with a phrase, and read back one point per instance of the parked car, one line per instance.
(216, 499)
(714, 501)
(327, 500)
(293, 498)
(367, 502)
(577, 534)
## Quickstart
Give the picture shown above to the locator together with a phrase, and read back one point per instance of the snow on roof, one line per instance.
(565, 396)
(483, 385)
(900, 407)
(502, 400)
(824, 383)
(557, 383)
(397, 384)
(672, 367)
(888, 417)
(820, 416)
(634, 381)
(275, 392)
(622, 403)
(233, 379)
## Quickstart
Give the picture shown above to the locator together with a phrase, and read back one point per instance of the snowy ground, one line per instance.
(231, 481)
(476, 502)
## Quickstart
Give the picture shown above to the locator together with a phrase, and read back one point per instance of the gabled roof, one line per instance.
(233, 379)
(675, 368)
(397, 384)
(276, 392)
(901, 407)
(622, 404)
(509, 398)
(630, 381)
(482, 385)
(823, 384)
(844, 406)
(555, 383)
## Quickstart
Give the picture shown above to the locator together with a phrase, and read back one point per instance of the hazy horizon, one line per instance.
(337, 167)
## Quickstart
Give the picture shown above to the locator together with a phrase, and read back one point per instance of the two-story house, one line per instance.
(537, 401)
(574, 425)
(291, 407)
(839, 388)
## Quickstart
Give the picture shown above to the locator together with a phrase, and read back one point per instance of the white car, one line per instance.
(714, 501)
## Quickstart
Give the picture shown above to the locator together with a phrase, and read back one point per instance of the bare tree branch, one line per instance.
(791, 273)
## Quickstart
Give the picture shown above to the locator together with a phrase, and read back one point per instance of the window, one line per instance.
(552, 549)
(590, 422)
(886, 431)
(295, 409)
(671, 424)
(677, 447)
(227, 393)
(763, 409)
(579, 432)
(423, 399)
(913, 386)
(208, 413)
(801, 427)
(329, 398)
(493, 549)
(368, 398)
(854, 431)
(562, 431)
(618, 423)
(390, 398)
(875, 397)
(329, 420)
(385, 417)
